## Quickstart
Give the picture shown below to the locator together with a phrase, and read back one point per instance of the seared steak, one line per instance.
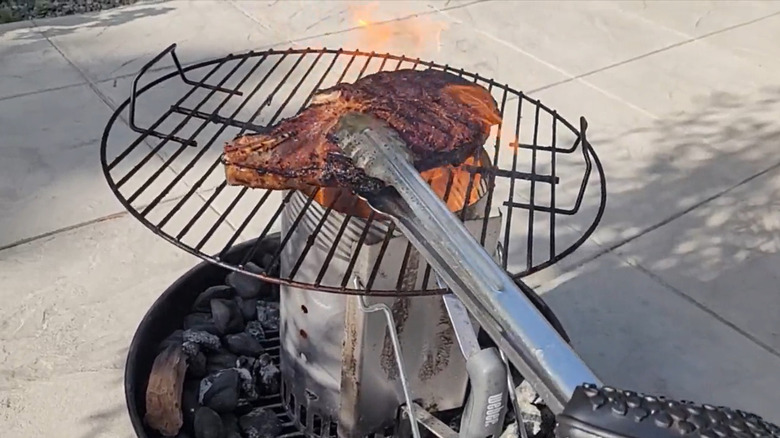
(442, 117)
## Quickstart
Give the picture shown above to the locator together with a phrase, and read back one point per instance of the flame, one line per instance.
(412, 36)
(479, 99)
(456, 196)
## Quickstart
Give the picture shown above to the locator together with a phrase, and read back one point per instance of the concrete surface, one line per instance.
(677, 291)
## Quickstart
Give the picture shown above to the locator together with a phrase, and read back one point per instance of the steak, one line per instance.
(441, 117)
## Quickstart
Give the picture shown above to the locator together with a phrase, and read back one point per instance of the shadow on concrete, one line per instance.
(723, 254)
(105, 420)
(734, 226)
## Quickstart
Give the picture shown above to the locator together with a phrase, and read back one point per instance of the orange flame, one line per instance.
(413, 36)
(477, 98)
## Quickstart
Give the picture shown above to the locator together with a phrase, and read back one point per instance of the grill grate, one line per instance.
(539, 169)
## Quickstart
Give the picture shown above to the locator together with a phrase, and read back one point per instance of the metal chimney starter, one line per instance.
(337, 362)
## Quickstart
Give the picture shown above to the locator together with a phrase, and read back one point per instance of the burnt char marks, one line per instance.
(341, 172)
(442, 118)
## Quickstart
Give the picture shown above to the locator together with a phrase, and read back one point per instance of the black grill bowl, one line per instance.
(164, 317)
(167, 315)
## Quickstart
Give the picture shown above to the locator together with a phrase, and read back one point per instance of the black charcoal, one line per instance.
(220, 360)
(247, 286)
(182, 434)
(267, 375)
(244, 406)
(190, 348)
(268, 380)
(248, 308)
(189, 401)
(255, 328)
(268, 263)
(243, 344)
(230, 422)
(208, 424)
(268, 315)
(245, 362)
(200, 322)
(248, 389)
(203, 302)
(219, 391)
(197, 365)
(227, 316)
(260, 423)
(264, 360)
(206, 340)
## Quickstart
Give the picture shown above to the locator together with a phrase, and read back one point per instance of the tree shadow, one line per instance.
(739, 137)
(718, 250)
(105, 420)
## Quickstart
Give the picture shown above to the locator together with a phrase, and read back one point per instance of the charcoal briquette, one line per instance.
(197, 365)
(255, 328)
(264, 360)
(208, 424)
(203, 301)
(189, 401)
(260, 423)
(248, 388)
(220, 360)
(248, 308)
(268, 263)
(245, 362)
(268, 315)
(219, 391)
(269, 380)
(244, 406)
(230, 422)
(243, 344)
(267, 375)
(190, 348)
(205, 340)
(200, 321)
(227, 316)
(247, 286)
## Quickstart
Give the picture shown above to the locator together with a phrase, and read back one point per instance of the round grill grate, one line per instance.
(161, 155)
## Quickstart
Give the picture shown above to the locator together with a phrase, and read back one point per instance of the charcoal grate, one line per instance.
(274, 402)
(161, 155)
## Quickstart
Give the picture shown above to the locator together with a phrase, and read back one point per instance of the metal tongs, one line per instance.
(521, 332)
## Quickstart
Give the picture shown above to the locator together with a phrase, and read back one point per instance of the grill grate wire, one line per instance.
(566, 170)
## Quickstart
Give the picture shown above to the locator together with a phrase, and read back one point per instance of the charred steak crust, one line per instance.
(442, 117)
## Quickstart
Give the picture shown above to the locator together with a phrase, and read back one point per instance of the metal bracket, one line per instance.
(365, 307)
(134, 95)
(428, 421)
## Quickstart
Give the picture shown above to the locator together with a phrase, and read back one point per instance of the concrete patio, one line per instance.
(677, 292)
